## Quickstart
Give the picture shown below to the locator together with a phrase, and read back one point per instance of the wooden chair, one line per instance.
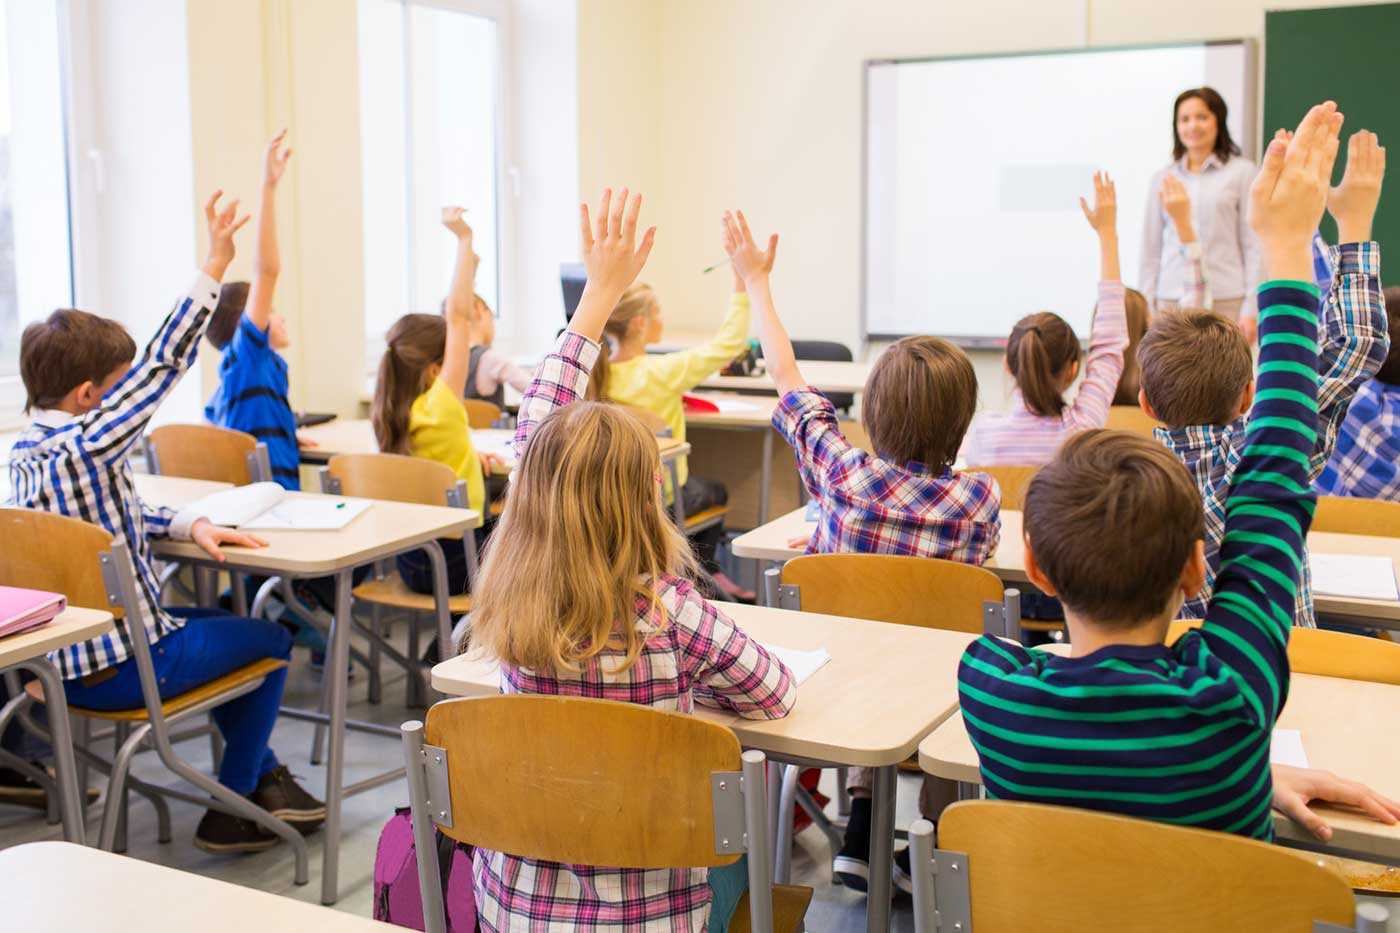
(397, 478)
(481, 413)
(204, 451)
(591, 782)
(1131, 418)
(1349, 516)
(52, 552)
(1013, 480)
(1004, 866)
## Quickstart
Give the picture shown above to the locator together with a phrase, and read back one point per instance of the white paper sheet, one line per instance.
(731, 406)
(1287, 749)
(233, 507)
(309, 515)
(803, 664)
(1357, 576)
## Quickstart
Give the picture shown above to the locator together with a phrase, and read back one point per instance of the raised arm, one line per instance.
(753, 266)
(1177, 204)
(1270, 503)
(267, 263)
(456, 357)
(1109, 337)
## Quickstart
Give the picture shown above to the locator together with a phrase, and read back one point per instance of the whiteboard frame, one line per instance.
(1249, 147)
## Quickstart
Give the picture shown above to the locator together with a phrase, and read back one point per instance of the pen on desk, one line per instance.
(340, 505)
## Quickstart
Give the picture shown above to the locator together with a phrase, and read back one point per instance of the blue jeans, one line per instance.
(212, 644)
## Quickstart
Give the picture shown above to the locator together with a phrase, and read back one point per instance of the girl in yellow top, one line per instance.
(418, 400)
(656, 381)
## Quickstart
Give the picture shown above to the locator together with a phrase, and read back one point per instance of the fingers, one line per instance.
(246, 540)
(239, 225)
(644, 250)
(727, 227)
(629, 224)
(744, 228)
(1323, 156)
(1088, 214)
(1270, 168)
(585, 228)
(615, 217)
(227, 214)
(211, 204)
(772, 250)
(604, 203)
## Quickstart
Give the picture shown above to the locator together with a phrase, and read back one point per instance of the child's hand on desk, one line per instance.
(209, 536)
(750, 263)
(801, 541)
(1295, 788)
(305, 442)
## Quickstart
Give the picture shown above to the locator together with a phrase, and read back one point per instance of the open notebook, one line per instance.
(267, 506)
(22, 610)
(1355, 576)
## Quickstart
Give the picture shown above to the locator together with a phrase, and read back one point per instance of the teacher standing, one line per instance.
(1217, 178)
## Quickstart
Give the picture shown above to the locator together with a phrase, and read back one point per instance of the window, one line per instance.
(430, 119)
(36, 257)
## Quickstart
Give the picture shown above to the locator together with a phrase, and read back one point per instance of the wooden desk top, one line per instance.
(175, 492)
(769, 542)
(823, 375)
(356, 436)
(757, 413)
(1335, 737)
(105, 891)
(70, 627)
(885, 687)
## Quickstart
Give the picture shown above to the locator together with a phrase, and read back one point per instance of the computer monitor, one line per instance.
(572, 277)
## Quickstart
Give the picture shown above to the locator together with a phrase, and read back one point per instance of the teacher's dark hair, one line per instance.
(1224, 145)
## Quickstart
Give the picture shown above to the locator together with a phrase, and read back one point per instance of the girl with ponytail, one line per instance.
(1043, 356)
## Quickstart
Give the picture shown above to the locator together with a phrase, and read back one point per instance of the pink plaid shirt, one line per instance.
(1018, 437)
(872, 506)
(692, 654)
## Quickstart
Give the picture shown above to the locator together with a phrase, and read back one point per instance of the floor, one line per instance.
(833, 908)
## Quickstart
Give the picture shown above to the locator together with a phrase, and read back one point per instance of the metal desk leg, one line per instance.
(337, 664)
(66, 766)
(766, 474)
(877, 902)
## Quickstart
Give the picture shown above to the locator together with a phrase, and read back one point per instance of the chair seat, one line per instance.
(392, 591)
(1366, 877)
(789, 908)
(706, 517)
(243, 675)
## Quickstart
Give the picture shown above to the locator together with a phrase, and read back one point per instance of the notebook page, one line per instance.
(803, 664)
(323, 514)
(1358, 576)
(1287, 748)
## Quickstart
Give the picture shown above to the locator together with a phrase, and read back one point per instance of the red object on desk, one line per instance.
(22, 610)
(695, 405)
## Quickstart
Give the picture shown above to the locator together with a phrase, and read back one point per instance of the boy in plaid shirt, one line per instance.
(1366, 463)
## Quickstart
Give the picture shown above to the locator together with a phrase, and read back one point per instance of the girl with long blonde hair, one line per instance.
(585, 591)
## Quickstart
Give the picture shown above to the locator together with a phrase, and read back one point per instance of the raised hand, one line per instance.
(460, 301)
(1176, 201)
(611, 253)
(1353, 203)
(1290, 191)
(1103, 216)
(750, 263)
(222, 224)
(453, 219)
(275, 160)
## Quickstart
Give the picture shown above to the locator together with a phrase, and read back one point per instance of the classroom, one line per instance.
(699, 465)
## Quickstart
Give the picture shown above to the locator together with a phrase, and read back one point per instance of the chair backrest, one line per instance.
(481, 413)
(1051, 869)
(830, 351)
(920, 591)
(591, 782)
(1131, 418)
(393, 477)
(1329, 654)
(202, 451)
(1013, 480)
(1348, 516)
(44, 551)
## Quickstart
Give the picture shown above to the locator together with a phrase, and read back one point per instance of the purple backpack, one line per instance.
(397, 898)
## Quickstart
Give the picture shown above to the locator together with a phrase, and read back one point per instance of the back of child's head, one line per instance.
(918, 402)
(413, 345)
(1196, 366)
(223, 324)
(1135, 306)
(1390, 370)
(1112, 521)
(65, 350)
(1041, 348)
(584, 535)
(638, 301)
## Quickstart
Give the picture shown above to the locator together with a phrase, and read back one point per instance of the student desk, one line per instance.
(1337, 737)
(823, 375)
(384, 530)
(733, 463)
(28, 650)
(55, 887)
(770, 543)
(884, 689)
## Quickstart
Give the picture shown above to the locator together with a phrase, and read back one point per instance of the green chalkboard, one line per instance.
(1350, 55)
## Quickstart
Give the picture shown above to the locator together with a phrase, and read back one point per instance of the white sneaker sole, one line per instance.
(851, 872)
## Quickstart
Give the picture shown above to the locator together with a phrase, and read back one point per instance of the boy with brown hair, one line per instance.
(1114, 528)
(1196, 367)
(90, 404)
(905, 498)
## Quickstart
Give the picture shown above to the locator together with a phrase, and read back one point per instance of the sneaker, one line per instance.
(851, 867)
(224, 832)
(903, 877)
(279, 794)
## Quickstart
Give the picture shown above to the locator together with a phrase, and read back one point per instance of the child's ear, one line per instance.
(1033, 571)
(1146, 406)
(1247, 397)
(1193, 574)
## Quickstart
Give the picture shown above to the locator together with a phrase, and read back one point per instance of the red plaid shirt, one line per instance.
(871, 506)
(692, 654)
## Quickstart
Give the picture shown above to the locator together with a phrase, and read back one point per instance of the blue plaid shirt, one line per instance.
(1354, 344)
(1366, 463)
